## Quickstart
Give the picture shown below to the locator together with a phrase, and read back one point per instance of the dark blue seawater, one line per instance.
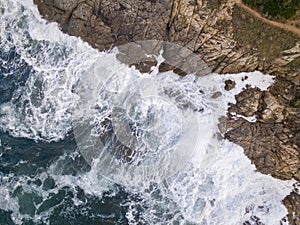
(46, 181)
(13, 73)
(25, 171)
(21, 157)
(35, 158)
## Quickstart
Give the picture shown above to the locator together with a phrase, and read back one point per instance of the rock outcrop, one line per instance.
(272, 143)
(292, 202)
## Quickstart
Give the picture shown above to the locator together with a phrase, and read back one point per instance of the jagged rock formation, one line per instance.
(292, 202)
(217, 30)
(273, 142)
(229, 39)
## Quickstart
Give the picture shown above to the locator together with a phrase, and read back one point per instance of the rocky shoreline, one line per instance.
(230, 40)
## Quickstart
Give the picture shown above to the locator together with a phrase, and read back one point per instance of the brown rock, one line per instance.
(216, 95)
(229, 85)
(272, 108)
(292, 202)
(264, 148)
(272, 143)
(247, 102)
(145, 66)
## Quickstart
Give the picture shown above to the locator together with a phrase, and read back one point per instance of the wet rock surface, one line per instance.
(272, 142)
(229, 85)
(292, 202)
(229, 40)
(247, 102)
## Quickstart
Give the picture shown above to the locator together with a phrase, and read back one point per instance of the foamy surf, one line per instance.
(216, 185)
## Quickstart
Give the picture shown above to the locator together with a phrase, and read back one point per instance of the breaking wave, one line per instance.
(161, 160)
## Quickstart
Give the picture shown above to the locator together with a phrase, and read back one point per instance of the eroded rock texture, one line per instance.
(204, 27)
(292, 202)
(273, 142)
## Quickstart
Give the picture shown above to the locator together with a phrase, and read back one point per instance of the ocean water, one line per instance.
(160, 158)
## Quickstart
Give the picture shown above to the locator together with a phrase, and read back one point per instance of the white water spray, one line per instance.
(218, 185)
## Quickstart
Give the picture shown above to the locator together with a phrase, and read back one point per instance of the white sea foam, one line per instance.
(218, 185)
(45, 102)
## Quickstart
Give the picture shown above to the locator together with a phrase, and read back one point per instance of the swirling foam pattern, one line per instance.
(87, 139)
